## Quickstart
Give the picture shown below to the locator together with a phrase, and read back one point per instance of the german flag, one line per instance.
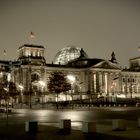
(32, 35)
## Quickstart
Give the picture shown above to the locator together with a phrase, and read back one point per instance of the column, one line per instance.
(100, 82)
(106, 83)
(94, 82)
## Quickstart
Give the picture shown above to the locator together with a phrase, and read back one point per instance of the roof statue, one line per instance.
(83, 54)
(113, 58)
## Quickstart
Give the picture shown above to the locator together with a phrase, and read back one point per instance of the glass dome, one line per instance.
(67, 54)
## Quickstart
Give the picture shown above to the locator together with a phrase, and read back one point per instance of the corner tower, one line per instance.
(31, 54)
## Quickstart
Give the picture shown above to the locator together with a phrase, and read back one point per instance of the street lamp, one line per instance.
(21, 93)
(42, 84)
(80, 90)
(113, 91)
(7, 96)
(72, 79)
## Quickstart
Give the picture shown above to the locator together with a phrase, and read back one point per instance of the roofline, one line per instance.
(134, 58)
(31, 45)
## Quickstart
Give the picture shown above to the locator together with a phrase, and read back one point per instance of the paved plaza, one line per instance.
(13, 127)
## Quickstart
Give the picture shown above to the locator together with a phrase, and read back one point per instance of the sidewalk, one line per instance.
(47, 132)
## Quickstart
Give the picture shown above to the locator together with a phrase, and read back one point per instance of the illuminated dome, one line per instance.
(69, 53)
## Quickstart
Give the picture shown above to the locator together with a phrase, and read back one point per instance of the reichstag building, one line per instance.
(89, 77)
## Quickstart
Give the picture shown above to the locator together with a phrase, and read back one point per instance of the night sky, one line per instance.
(97, 26)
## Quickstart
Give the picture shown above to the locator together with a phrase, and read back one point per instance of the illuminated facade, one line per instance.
(93, 77)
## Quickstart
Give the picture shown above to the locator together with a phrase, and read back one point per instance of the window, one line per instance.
(35, 77)
(38, 53)
(34, 54)
(124, 80)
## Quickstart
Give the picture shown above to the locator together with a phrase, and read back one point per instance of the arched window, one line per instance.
(35, 77)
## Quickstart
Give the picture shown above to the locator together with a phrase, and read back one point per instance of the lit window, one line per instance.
(38, 53)
(34, 54)
(27, 53)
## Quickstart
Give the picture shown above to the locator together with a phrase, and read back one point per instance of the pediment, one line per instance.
(106, 65)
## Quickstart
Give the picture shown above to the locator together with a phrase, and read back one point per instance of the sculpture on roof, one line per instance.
(113, 58)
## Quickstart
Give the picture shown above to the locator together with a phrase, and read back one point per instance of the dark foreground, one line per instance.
(45, 132)
(48, 122)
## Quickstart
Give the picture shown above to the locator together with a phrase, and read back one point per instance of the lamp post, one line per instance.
(30, 87)
(30, 96)
(113, 87)
(81, 91)
(42, 84)
(72, 79)
(7, 96)
(131, 88)
(114, 84)
(21, 93)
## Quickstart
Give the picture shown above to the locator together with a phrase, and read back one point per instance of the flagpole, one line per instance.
(4, 54)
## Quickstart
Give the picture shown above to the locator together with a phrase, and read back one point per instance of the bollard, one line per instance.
(139, 122)
(118, 125)
(31, 126)
(100, 105)
(65, 124)
(137, 104)
(89, 127)
(125, 105)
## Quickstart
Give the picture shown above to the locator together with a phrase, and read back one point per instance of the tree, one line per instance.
(13, 92)
(7, 90)
(58, 83)
(2, 92)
